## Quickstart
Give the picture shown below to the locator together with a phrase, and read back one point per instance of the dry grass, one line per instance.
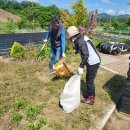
(30, 80)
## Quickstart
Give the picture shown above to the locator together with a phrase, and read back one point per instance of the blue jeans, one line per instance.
(55, 56)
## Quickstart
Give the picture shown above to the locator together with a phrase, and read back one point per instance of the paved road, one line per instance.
(119, 63)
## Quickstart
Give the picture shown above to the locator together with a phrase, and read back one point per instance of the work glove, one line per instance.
(44, 41)
(80, 71)
(63, 55)
(54, 67)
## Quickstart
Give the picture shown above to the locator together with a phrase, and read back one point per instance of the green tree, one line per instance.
(106, 25)
(80, 15)
(25, 3)
(45, 13)
(40, 15)
(15, 7)
(118, 25)
(65, 17)
(128, 22)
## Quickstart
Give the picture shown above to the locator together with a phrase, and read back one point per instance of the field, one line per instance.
(29, 97)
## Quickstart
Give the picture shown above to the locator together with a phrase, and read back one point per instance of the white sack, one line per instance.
(70, 97)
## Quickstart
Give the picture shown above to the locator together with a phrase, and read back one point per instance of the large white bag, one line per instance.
(70, 97)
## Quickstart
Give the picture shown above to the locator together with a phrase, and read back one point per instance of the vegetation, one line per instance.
(34, 16)
(30, 99)
(39, 124)
(15, 7)
(29, 95)
(79, 8)
(18, 51)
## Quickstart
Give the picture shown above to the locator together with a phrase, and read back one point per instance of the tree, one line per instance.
(80, 15)
(65, 17)
(41, 14)
(45, 13)
(106, 25)
(128, 22)
(118, 25)
(24, 4)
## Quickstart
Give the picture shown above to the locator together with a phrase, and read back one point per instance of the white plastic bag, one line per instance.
(70, 97)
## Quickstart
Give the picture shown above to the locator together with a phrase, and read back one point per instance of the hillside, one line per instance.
(106, 17)
(5, 16)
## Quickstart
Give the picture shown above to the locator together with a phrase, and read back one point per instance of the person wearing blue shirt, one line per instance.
(56, 34)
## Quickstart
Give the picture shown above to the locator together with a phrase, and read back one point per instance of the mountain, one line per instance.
(6, 16)
(107, 17)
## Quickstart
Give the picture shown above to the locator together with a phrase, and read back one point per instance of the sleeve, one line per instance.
(63, 41)
(48, 33)
(84, 54)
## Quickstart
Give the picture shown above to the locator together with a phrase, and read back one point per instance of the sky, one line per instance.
(113, 7)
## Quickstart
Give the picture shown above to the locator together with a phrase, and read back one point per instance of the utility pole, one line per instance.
(110, 19)
(32, 12)
(116, 13)
(32, 3)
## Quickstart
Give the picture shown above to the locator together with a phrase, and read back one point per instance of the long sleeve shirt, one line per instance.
(60, 32)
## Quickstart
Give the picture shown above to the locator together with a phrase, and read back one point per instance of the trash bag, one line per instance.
(70, 97)
(114, 48)
(110, 48)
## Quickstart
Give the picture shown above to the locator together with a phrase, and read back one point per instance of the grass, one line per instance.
(39, 124)
(33, 103)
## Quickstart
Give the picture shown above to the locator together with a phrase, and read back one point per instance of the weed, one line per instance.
(97, 110)
(32, 111)
(41, 122)
(16, 117)
(106, 97)
(56, 126)
(19, 103)
(85, 116)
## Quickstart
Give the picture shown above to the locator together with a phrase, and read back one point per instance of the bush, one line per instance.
(69, 48)
(8, 27)
(18, 51)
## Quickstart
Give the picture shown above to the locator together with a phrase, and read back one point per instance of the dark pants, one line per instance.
(90, 76)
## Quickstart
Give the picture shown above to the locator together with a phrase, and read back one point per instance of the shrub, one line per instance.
(69, 48)
(18, 51)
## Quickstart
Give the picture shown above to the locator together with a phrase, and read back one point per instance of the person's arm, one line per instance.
(47, 37)
(63, 41)
(84, 54)
(48, 33)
